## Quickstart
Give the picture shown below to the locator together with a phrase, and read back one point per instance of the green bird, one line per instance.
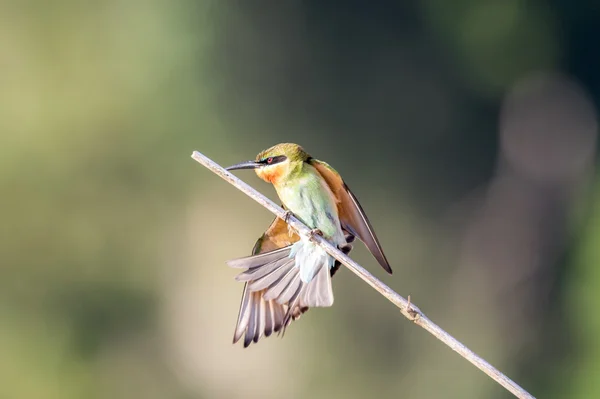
(286, 275)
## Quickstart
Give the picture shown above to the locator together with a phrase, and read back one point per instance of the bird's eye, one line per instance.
(270, 160)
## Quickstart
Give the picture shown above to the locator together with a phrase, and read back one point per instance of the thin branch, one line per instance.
(408, 309)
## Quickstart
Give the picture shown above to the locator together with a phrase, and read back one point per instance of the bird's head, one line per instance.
(276, 164)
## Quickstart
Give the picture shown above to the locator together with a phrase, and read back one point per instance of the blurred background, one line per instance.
(467, 129)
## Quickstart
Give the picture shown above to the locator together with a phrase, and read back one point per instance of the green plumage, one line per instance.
(288, 274)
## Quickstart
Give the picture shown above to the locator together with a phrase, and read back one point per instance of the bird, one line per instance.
(286, 274)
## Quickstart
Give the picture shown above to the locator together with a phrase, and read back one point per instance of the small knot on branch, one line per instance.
(412, 310)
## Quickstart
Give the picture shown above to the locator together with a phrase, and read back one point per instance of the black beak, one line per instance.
(245, 165)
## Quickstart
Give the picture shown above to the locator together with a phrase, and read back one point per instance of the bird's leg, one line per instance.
(286, 216)
(315, 232)
(286, 219)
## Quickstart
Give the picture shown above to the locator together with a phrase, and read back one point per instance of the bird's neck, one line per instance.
(289, 174)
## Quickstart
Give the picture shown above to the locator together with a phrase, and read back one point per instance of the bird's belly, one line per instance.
(314, 204)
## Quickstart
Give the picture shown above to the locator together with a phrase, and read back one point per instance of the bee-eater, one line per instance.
(287, 274)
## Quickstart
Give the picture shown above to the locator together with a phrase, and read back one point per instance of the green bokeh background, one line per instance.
(112, 277)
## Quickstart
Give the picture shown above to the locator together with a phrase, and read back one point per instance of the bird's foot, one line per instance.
(314, 233)
(286, 219)
(286, 216)
(411, 310)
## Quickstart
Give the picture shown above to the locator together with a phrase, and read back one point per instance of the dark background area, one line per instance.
(467, 129)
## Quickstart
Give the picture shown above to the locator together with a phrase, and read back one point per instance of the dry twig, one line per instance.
(408, 309)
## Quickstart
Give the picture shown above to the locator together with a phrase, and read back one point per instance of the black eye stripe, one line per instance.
(274, 160)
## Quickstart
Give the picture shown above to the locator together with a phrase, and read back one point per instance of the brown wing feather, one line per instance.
(259, 316)
(277, 236)
(352, 215)
(254, 307)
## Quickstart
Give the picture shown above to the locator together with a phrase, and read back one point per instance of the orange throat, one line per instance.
(271, 175)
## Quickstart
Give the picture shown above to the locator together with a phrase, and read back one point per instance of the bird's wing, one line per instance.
(262, 311)
(277, 236)
(352, 216)
(258, 316)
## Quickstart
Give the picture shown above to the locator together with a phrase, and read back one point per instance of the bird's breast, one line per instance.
(311, 200)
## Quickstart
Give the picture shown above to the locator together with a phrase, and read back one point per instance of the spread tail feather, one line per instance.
(258, 317)
(274, 293)
(280, 278)
(254, 261)
(319, 292)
